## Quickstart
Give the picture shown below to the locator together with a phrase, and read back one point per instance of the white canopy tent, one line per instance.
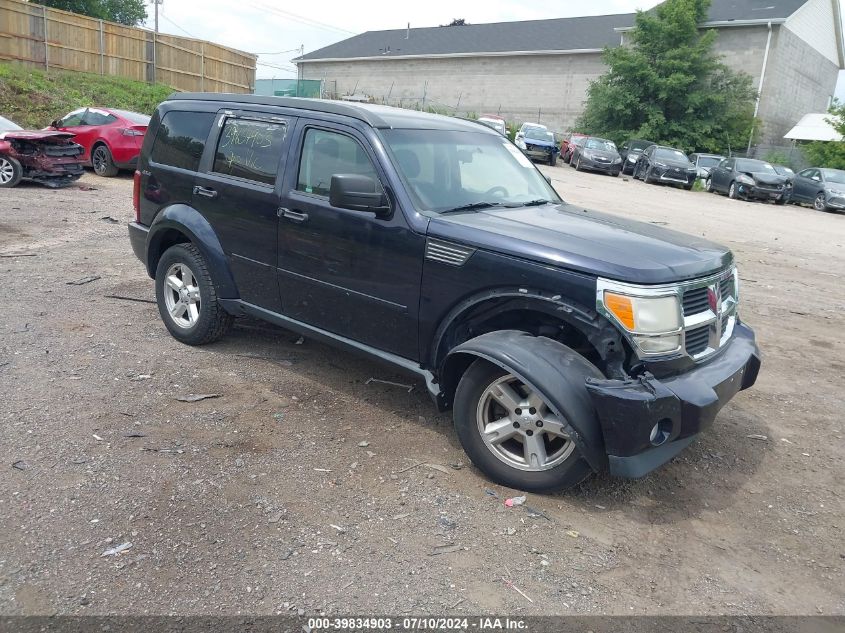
(814, 127)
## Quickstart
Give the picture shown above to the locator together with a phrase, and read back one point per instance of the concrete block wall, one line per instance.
(799, 80)
(522, 87)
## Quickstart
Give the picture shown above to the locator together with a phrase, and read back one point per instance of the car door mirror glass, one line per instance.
(357, 192)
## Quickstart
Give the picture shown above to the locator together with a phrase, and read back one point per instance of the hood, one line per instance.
(31, 135)
(601, 153)
(680, 164)
(767, 178)
(587, 241)
(531, 141)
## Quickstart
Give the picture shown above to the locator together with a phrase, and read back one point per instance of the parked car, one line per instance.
(749, 179)
(661, 164)
(630, 152)
(495, 122)
(823, 188)
(49, 158)
(704, 163)
(111, 138)
(783, 170)
(537, 143)
(597, 154)
(565, 341)
(567, 145)
(574, 143)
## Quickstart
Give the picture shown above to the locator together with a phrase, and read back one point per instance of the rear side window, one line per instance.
(325, 154)
(181, 139)
(250, 149)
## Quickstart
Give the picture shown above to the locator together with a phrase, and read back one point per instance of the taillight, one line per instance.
(128, 131)
(136, 195)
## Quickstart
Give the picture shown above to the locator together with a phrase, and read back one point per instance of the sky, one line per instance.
(277, 31)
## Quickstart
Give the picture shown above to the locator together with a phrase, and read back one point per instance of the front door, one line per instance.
(237, 191)
(805, 185)
(347, 272)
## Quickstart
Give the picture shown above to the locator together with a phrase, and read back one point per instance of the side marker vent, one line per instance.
(447, 253)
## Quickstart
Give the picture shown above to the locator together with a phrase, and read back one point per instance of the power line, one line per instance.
(299, 18)
(293, 50)
(176, 25)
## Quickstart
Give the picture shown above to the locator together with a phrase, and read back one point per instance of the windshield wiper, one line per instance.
(473, 206)
(535, 203)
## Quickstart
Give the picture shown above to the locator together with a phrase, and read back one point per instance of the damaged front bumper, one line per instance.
(647, 422)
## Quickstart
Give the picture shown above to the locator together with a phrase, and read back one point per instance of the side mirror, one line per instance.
(55, 124)
(358, 193)
(548, 179)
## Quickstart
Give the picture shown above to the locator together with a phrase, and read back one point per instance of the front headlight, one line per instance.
(745, 180)
(661, 165)
(653, 321)
(632, 158)
(616, 161)
(836, 192)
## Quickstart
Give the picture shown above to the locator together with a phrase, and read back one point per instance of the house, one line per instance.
(539, 70)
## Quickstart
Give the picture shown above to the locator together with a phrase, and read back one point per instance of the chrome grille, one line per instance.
(710, 308)
(695, 301)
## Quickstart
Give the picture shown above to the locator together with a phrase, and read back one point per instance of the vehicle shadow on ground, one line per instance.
(704, 478)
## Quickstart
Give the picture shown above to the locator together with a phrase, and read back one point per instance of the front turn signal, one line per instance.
(622, 308)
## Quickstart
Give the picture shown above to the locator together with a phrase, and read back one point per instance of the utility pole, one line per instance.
(156, 3)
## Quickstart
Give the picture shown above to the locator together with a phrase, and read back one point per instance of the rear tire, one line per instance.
(565, 467)
(11, 172)
(102, 162)
(194, 315)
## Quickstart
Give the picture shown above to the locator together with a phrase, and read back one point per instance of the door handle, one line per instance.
(293, 216)
(205, 192)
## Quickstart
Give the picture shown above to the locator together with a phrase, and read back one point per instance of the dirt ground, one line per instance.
(296, 491)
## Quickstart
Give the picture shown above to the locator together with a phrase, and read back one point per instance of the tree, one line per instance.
(830, 154)
(129, 12)
(667, 85)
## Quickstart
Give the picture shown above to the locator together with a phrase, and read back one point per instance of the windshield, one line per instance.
(7, 126)
(499, 126)
(446, 169)
(708, 161)
(755, 166)
(671, 154)
(601, 144)
(134, 117)
(538, 134)
(834, 175)
(638, 146)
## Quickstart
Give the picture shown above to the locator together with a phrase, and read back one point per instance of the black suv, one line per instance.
(565, 340)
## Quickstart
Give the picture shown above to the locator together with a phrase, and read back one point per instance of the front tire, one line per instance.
(820, 203)
(552, 160)
(708, 186)
(11, 172)
(511, 434)
(187, 299)
(102, 162)
(733, 193)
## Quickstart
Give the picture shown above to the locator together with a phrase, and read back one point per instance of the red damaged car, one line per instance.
(112, 138)
(50, 158)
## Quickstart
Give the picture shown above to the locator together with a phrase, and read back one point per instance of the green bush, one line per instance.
(32, 98)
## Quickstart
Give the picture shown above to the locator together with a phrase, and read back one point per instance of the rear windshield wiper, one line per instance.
(473, 207)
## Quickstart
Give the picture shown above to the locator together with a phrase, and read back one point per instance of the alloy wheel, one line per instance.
(7, 171)
(182, 296)
(519, 428)
(99, 159)
(820, 204)
(732, 191)
(708, 185)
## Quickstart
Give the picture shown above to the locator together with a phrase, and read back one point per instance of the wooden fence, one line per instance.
(49, 38)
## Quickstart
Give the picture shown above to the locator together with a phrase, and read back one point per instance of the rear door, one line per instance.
(349, 272)
(721, 175)
(237, 191)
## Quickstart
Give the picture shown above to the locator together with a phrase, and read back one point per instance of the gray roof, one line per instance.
(377, 116)
(561, 34)
(741, 10)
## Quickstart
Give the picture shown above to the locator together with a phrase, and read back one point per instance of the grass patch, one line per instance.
(32, 98)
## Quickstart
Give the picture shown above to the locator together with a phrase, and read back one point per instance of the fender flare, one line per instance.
(191, 223)
(550, 367)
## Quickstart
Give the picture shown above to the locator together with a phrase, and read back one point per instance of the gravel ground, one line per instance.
(297, 489)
